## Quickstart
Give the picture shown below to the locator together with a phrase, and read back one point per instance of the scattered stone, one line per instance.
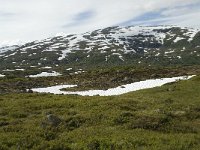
(53, 119)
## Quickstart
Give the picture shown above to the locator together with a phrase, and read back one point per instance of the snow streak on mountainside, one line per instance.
(113, 45)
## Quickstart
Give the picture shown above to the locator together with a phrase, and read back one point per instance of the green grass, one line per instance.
(166, 117)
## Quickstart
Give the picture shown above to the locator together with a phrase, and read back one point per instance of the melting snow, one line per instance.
(191, 34)
(1, 75)
(169, 52)
(157, 54)
(20, 69)
(121, 57)
(8, 70)
(69, 69)
(113, 91)
(45, 74)
(78, 72)
(178, 39)
(47, 67)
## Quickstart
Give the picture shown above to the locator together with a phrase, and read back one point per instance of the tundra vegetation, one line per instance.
(164, 117)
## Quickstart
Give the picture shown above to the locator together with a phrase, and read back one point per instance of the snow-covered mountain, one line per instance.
(10, 45)
(5, 49)
(110, 46)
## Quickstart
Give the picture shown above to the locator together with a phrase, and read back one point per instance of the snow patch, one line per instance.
(113, 91)
(178, 39)
(45, 74)
(8, 70)
(77, 72)
(1, 75)
(68, 69)
(169, 52)
(47, 67)
(19, 69)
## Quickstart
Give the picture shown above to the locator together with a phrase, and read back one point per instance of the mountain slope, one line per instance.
(137, 45)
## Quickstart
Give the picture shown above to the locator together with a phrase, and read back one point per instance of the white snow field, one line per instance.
(113, 91)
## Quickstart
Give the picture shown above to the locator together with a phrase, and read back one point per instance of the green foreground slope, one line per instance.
(166, 117)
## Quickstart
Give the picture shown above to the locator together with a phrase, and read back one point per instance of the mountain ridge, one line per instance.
(112, 46)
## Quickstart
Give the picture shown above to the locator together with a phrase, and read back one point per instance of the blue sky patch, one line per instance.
(148, 16)
(84, 15)
(145, 18)
(81, 18)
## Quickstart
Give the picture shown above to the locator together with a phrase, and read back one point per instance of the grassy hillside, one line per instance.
(166, 117)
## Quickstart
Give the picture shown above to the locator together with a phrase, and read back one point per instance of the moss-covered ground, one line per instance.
(166, 117)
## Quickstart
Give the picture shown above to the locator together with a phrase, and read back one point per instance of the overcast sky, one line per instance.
(36, 19)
